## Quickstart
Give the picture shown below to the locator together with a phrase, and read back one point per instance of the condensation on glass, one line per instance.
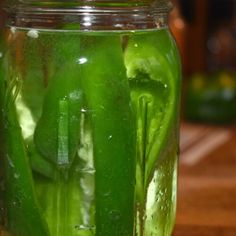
(89, 119)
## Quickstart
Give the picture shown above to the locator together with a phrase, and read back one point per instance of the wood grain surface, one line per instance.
(207, 182)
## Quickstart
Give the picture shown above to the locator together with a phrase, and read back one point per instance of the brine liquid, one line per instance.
(67, 124)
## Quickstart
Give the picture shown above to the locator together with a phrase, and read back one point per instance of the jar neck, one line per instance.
(89, 15)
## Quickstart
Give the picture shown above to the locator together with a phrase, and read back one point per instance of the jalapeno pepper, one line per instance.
(57, 136)
(23, 210)
(154, 94)
(57, 132)
(108, 97)
(31, 59)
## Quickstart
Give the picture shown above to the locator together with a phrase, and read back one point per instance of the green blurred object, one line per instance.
(211, 98)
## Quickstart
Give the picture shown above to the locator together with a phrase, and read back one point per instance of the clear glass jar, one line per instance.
(89, 119)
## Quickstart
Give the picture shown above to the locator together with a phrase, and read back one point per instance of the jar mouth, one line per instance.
(89, 6)
(91, 15)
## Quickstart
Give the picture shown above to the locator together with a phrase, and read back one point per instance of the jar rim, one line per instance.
(73, 7)
(90, 17)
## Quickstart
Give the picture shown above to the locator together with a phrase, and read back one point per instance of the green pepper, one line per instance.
(57, 136)
(30, 60)
(155, 95)
(153, 88)
(38, 163)
(57, 132)
(107, 94)
(63, 97)
(23, 210)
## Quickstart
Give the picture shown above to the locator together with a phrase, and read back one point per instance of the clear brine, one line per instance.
(90, 132)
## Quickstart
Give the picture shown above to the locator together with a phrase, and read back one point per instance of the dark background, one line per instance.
(207, 35)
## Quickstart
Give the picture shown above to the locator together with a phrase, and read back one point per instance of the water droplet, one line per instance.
(83, 110)
(75, 95)
(107, 194)
(115, 215)
(82, 60)
(88, 170)
(10, 162)
(158, 199)
(16, 175)
(84, 227)
(110, 137)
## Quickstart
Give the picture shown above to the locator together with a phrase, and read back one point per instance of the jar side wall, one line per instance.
(151, 82)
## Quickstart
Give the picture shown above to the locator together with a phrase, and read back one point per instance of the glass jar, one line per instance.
(89, 119)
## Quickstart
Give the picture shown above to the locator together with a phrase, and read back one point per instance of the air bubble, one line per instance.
(16, 175)
(84, 227)
(83, 110)
(10, 162)
(115, 215)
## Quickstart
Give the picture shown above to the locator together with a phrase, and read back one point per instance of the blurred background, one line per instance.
(205, 31)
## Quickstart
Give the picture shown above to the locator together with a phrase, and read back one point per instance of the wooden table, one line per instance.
(207, 182)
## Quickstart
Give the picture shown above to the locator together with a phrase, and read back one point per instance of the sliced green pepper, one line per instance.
(154, 99)
(107, 93)
(57, 133)
(57, 137)
(24, 215)
(38, 163)
(153, 88)
(62, 102)
(31, 65)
